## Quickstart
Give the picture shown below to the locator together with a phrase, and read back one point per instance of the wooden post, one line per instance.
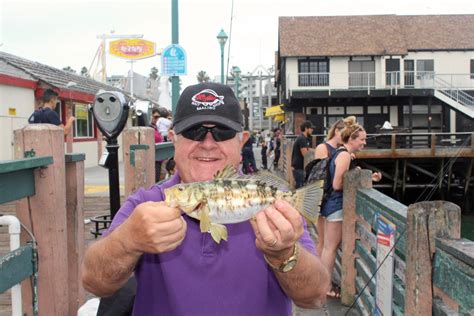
(138, 161)
(45, 215)
(75, 229)
(425, 222)
(353, 180)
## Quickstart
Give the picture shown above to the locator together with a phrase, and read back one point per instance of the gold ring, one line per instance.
(273, 243)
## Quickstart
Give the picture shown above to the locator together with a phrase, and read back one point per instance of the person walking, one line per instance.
(300, 148)
(155, 115)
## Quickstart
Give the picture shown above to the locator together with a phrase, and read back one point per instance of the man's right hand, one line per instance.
(153, 227)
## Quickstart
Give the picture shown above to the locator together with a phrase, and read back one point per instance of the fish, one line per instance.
(231, 198)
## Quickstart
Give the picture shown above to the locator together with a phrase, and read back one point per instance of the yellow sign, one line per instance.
(81, 112)
(12, 111)
(132, 48)
(274, 110)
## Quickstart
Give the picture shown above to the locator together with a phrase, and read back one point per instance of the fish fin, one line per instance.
(228, 172)
(204, 220)
(218, 232)
(272, 179)
(308, 200)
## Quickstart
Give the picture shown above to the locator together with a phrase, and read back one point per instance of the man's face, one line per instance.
(154, 118)
(200, 160)
(53, 102)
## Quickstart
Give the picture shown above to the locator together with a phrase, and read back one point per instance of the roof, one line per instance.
(367, 35)
(53, 76)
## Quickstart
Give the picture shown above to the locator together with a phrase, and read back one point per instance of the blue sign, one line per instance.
(173, 61)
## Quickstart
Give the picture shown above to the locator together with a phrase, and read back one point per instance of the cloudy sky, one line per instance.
(63, 33)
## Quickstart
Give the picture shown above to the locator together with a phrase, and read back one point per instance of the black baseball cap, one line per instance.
(208, 102)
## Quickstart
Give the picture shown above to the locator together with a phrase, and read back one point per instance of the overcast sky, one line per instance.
(63, 33)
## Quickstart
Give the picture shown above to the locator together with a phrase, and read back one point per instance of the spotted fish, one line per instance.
(231, 198)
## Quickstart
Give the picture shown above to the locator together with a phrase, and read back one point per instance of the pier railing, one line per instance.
(433, 269)
(48, 190)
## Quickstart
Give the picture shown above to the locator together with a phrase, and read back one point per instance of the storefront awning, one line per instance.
(274, 110)
(279, 118)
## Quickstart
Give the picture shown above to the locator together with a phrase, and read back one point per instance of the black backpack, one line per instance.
(317, 169)
(36, 117)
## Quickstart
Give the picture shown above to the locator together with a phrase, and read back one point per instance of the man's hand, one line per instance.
(278, 228)
(71, 119)
(153, 227)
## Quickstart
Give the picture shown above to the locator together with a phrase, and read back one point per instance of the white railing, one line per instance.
(376, 80)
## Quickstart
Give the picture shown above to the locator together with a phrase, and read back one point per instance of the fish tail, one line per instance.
(308, 200)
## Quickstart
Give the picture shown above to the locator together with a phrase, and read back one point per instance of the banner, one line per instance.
(132, 48)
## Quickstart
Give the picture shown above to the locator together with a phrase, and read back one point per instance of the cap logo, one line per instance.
(207, 99)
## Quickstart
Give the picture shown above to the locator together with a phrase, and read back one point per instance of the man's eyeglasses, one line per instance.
(156, 116)
(219, 133)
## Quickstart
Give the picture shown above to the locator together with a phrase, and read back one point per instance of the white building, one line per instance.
(417, 72)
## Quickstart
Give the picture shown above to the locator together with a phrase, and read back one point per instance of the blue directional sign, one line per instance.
(173, 61)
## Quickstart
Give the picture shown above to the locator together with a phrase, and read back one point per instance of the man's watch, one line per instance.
(287, 265)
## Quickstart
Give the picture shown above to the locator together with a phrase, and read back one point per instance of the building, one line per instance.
(417, 72)
(22, 83)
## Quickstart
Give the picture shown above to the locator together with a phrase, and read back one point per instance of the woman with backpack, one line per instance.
(353, 139)
(322, 151)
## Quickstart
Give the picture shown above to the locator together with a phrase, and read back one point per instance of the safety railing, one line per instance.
(403, 260)
(17, 182)
(393, 80)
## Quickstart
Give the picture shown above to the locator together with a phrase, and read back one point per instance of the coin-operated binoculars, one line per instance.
(110, 110)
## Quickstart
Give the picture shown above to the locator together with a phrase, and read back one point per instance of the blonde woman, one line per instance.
(327, 149)
(353, 138)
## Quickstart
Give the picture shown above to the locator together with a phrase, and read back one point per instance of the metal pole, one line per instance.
(104, 68)
(222, 63)
(174, 40)
(131, 78)
(250, 104)
(269, 100)
(260, 101)
(114, 183)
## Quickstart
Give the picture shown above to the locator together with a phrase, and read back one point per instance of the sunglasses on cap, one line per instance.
(199, 132)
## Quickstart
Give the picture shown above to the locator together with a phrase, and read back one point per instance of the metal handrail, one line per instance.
(376, 80)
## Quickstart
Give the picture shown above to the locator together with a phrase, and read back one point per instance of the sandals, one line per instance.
(335, 292)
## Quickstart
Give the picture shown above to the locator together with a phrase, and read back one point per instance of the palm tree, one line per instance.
(84, 72)
(69, 69)
(154, 73)
(202, 77)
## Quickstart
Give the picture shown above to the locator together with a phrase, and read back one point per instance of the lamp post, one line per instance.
(236, 72)
(222, 39)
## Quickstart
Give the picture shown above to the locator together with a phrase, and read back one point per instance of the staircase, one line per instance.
(454, 97)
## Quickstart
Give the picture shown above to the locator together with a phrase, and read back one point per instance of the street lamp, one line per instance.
(236, 72)
(222, 39)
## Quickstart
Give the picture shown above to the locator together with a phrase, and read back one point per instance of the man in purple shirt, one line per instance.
(266, 262)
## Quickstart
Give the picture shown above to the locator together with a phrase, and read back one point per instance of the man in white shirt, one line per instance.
(163, 124)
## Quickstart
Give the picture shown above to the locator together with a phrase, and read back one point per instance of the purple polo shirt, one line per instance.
(201, 277)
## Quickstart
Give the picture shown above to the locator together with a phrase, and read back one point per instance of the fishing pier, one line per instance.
(406, 257)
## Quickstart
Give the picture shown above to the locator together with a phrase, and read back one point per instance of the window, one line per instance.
(361, 73)
(472, 68)
(425, 72)
(313, 72)
(84, 124)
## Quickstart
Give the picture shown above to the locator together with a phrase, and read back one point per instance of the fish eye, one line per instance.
(180, 189)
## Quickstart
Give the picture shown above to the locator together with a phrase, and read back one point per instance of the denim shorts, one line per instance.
(335, 217)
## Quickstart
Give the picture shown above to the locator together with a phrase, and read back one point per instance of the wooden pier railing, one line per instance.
(427, 250)
(48, 188)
